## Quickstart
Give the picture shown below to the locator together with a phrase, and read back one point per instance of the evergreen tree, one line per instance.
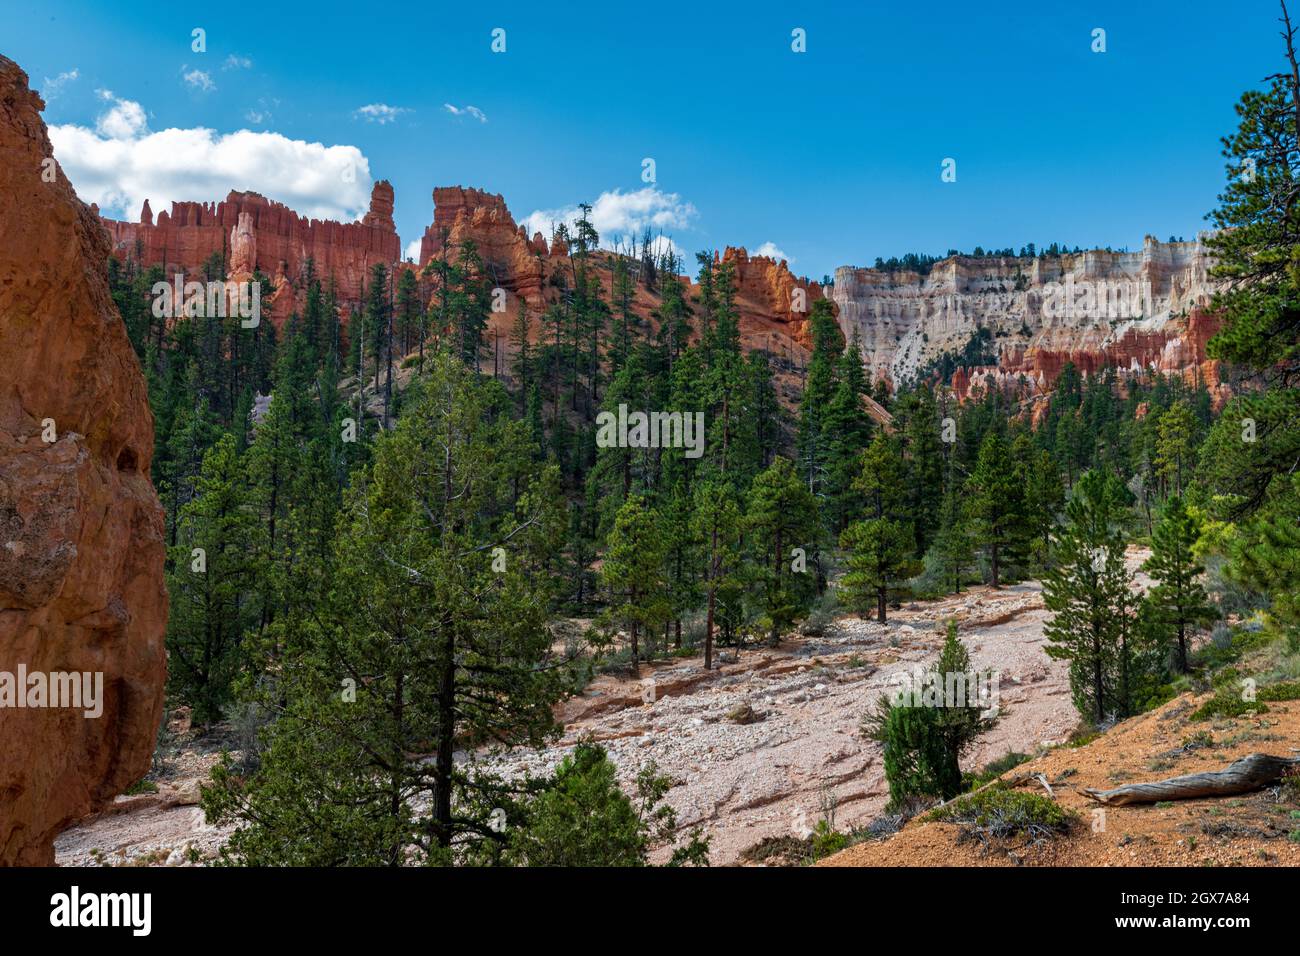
(1089, 595)
(926, 729)
(633, 572)
(881, 544)
(210, 584)
(1175, 446)
(995, 499)
(780, 515)
(1178, 597)
(430, 636)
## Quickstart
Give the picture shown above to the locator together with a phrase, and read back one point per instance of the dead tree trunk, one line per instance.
(1252, 772)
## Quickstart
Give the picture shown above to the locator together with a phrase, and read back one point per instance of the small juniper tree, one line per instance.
(926, 729)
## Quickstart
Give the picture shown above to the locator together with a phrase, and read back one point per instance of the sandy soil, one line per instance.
(1249, 830)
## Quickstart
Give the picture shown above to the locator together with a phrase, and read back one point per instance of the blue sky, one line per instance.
(832, 155)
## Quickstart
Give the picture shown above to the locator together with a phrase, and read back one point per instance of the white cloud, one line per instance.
(198, 80)
(472, 111)
(256, 117)
(237, 62)
(120, 163)
(125, 119)
(412, 250)
(52, 88)
(770, 250)
(626, 215)
(379, 112)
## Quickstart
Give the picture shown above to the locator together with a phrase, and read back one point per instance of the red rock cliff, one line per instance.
(81, 530)
(282, 239)
(510, 256)
(772, 288)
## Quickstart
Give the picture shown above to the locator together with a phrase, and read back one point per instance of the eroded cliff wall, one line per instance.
(1135, 311)
(81, 530)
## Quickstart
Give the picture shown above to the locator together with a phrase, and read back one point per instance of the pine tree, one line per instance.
(881, 544)
(1089, 594)
(210, 584)
(1044, 496)
(1175, 446)
(780, 515)
(408, 310)
(1178, 597)
(926, 729)
(429, 636)
(633, 572)
(522, 368)
(1266, 555)
(995, 500)
(814, 437)
(952, 543)
(717, 522)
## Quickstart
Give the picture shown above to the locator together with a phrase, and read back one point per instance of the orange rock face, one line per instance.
(771, 287)
(81, 530)
(514, 260)
(255, 233)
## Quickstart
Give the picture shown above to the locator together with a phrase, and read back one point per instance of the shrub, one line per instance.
(999, 813)
(1008, 761)
(924, 739)
(1278, 692)
(1227, 703)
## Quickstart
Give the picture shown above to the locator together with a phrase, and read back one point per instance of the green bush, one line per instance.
(1000, 812)
(1008, 761)
(1278, 692)
(1227, 703)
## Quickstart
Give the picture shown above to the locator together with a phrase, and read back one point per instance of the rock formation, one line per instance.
(278, 240)
(771, 288)
(81, 530)
(1133, 311)
(511, 258)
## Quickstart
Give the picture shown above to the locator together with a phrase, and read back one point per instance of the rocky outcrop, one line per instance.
(1136, 312)
(510, 257)
(770, 289)
(81, 530)
(276, 240)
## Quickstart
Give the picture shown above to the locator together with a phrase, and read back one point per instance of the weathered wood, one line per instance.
(1252, 772)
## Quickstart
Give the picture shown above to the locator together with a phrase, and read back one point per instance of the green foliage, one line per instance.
(781, 515)
(999, 813)
(633, 571)
(1228, 702)
(1089, 594)
(1178, 602)
(880, 545)
(996, 506)
(925, 730)
(421, 640)
(581, 817)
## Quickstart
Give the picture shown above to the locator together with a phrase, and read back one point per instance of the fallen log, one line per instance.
(1252, 772)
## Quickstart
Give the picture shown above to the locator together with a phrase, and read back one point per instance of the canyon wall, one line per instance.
(81, 530)
(273, 239)
(1134, 311)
